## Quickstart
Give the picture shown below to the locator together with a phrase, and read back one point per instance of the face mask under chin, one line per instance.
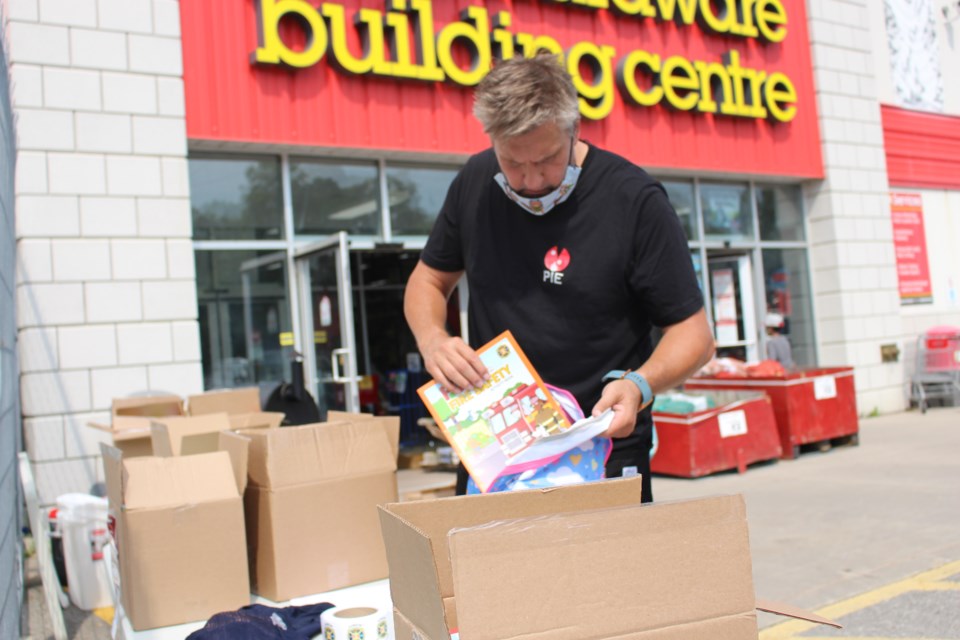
(542, 205)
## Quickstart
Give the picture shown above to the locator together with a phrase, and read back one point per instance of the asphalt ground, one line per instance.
(866, 535)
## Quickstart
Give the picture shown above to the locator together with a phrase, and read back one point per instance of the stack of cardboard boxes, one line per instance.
(211, 500)
(218, 510)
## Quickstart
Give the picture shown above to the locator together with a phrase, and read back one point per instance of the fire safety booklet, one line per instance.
(510, 424)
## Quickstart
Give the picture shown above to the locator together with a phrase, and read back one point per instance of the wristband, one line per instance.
(646, 393)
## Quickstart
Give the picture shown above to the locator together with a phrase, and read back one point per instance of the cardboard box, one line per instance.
(180, 534)
(241, 405)
(242, 400)
(130, 421)
(183, 436)
(176, 436)
(311, 504)
(585, 561)
(390, 425)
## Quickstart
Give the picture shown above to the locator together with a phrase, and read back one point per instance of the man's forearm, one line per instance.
(425, 311)
(684, 348)
(425, 304)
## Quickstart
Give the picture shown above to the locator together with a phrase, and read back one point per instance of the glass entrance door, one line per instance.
(733, 305)
(327, 339)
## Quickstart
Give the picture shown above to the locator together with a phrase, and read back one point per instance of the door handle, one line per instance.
(335, 364)
(335, 356)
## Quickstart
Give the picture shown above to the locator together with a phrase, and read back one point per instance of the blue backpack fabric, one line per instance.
(260, 622)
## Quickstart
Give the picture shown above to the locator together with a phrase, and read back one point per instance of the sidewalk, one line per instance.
(825, 527)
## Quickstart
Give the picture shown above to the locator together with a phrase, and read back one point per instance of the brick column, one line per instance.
(854, 266)
(106, 292)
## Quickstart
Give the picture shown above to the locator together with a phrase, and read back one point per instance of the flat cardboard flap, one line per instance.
(238, 448)
(635, 568)
(257, 420)
(317, 452)
(150, 483)
(782, 609)
(112, 474)
(389, 424)
(182, 436)
(435, 518)
(130, 417)
(129, 429)
(414, 587)
(245, 400)
(146, 407)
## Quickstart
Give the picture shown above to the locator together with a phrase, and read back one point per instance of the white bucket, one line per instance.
(83, 524)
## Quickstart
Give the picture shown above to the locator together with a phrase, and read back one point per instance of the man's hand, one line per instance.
(624, 397)
(453, 364)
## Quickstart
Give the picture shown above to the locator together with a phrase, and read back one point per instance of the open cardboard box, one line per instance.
(585, 561)
(311, 504)
(130, 421)
(241, 405)
(180, 533)
(189, 435)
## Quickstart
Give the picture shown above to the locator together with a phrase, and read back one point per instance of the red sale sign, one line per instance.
(910, 243)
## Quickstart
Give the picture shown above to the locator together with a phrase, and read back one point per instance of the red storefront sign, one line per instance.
(692, 84)
(910, 244)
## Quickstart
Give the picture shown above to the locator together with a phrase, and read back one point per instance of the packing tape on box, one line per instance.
(356, 623)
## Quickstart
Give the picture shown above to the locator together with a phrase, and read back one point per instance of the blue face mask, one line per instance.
(542, 205)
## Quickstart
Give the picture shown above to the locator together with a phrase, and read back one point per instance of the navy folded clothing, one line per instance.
(260, 622)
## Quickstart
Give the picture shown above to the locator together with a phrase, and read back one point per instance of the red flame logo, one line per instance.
(556, 260)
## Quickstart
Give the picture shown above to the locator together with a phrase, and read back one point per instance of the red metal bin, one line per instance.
(810, 406)
(740, 431)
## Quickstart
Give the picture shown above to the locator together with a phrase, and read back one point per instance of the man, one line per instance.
(575, 250)
(778, 346)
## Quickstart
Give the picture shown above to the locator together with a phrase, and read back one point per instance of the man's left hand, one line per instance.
(624, 398)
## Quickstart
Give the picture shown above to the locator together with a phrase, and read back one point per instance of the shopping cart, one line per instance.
(937, 372)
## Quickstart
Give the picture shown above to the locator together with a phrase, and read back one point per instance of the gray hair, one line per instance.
(521, 94)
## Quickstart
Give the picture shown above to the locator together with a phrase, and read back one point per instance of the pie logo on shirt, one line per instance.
(555, 261)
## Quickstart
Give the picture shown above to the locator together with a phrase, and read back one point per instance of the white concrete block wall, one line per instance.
(853, 264)
(106, 292)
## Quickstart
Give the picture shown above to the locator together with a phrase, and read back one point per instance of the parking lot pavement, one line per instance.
(922, 607)
(834, 526)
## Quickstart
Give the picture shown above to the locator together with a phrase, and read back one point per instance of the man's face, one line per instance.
(535, 163)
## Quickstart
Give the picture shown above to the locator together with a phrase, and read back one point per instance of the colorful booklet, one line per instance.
(510, 424)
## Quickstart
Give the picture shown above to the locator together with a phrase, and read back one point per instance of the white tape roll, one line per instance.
(356, 623)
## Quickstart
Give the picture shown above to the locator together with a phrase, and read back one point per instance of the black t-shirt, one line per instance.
(621, 265)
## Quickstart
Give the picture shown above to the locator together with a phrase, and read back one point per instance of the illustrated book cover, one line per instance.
(510, 424)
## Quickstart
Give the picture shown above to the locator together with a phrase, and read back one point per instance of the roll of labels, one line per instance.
(356, 623)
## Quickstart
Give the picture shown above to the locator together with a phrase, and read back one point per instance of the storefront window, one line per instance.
(681, 197)
(727, 212)
(697, 267)
(416, 195)
(334, 195)
(787, 291)
(244, 318)
(780, 210)
(236, 198)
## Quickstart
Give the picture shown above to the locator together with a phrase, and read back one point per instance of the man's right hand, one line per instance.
(453, 364)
